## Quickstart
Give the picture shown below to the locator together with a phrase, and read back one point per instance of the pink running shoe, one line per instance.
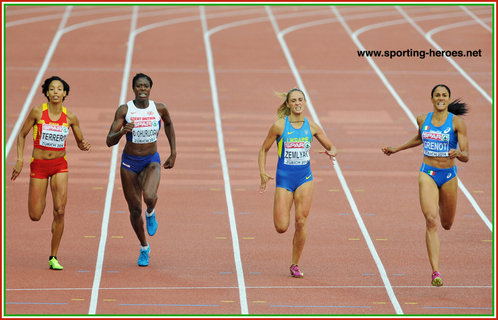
(295, 272)
(436, 279)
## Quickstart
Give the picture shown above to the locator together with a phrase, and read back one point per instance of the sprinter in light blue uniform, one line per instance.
(293, 168)
(444, 137)
(294, 181)
(437, 142)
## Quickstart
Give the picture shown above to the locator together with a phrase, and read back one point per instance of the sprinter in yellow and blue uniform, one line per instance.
(294, 180)
(444, 137)
(293, 168)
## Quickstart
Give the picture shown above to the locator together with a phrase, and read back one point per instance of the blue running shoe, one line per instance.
(143, 260)
(151, 223)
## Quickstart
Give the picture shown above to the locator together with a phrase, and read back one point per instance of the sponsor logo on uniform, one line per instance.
(448, 176)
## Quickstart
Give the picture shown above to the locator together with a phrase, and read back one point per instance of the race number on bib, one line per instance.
(53, 136)
(436, 144)
(297, 153)
(145, 130)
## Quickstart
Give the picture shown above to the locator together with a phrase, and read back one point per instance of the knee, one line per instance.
(150, 199)
(135, 213)
(430, 223)
(34, 217)
(280, 229)
(446, 225)
(59, 212)
(300, 224)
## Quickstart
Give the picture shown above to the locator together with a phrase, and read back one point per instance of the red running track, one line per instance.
(216, 251)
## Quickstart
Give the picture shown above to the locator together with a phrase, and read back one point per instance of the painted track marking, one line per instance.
(38, 80)
(224, 166)
(338, 171)
(112, 172)
(401, 103)
(428, 37)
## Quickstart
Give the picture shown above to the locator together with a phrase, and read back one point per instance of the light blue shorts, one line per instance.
(293, 179)
(440, 176)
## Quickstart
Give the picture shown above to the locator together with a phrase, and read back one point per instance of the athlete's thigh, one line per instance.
(429, 195)
(282, 206)
(37, 197)
(58, 186)
(150, 177)
(302, 199)
(131, 187)
(448, 200)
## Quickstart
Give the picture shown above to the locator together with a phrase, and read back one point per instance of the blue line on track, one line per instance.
(168, 305)
(285, 306)
(35, 302)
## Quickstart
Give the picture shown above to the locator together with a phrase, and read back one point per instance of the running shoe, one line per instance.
(436, 279)
(151, 224)
(295, 272)
(143, 259)
(54, 264)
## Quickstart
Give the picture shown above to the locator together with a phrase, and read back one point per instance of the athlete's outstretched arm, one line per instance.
(170, 134)
(320, 135)
(274, 132)
(30, 121)
(463, 141)
(413, 142)
(78, 134)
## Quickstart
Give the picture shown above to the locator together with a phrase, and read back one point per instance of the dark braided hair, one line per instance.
(46, 84)
(457, 106)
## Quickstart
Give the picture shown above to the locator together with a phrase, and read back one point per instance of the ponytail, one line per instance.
(457, 107)
(284, 111)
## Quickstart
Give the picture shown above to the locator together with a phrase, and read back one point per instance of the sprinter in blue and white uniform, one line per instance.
(141, 120)
(294, 180)
(444, 137)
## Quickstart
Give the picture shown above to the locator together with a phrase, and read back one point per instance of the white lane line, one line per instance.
(401, 103)
(112, 172)
(476, 18)
(429, 287)
(224, 166)
(428, 37)
(63, 30)
(338, 170)
(38, 80)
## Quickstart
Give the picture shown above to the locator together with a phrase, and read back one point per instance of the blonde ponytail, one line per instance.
(282, 111)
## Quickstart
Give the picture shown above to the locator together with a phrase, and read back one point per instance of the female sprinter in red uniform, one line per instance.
(294, 181)
(51, 122)
(140, 121)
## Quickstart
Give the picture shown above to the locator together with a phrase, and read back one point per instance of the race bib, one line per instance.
(53, 136)
(436, 144)
(145, 130)
(297, 153)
